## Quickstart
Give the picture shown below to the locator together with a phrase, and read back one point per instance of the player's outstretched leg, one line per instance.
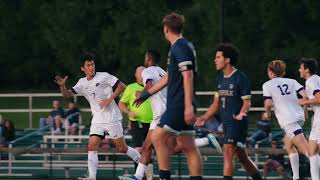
(247, 163)
(145, 159)
(122, 147)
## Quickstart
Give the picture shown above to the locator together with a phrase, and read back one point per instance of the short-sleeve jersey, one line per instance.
(181, 57)
(232, 90)
(158, 100)
(97, 89)
(312, 88)
(283, 92)
(144, 111)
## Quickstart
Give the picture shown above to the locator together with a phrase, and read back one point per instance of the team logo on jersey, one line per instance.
(230, 86)
(97, 84)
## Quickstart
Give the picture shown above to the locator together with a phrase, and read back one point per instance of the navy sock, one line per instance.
(164, 174)
(256, 177)
(195, 177)
(227, 178)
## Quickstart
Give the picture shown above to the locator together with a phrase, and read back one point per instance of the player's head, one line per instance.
(226, 55)
(56, 104)
(137, 74)
(152, 57)
(276, 68)
(308, 67)
(172, 24)
(87, 64)
(72, 104)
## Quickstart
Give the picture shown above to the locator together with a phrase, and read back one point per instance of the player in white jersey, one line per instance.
(308, 68)
(151, 75)
(281, 93)
(100, 89)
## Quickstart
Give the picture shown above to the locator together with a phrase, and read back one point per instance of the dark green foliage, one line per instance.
(41, 38)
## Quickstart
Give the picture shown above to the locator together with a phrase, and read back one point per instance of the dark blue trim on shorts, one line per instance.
(100, 136)
(298, 131)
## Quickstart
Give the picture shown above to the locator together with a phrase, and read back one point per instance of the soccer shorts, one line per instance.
(293, 129)
(173, 121)
(112, 130)
(235, 132)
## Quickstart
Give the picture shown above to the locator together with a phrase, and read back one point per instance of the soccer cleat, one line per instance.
(214, 142)
(130, 177)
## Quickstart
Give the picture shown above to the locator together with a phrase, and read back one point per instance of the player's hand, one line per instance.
(302, 102)
(60, 81)
(105, 103)
(132, 114)
(142, 97)
(200, 121)
(240, 116)
(189, 115)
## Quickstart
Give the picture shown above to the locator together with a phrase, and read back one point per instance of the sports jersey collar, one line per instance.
(180, 37)
(92, 78)
(235, 70)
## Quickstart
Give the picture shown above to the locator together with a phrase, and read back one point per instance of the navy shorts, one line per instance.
(235, 132)
(173, 120)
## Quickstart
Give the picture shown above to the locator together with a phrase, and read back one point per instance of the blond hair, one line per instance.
(278, 67)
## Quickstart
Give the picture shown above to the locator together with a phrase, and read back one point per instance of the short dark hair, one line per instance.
(229, 51)
(174, 22)
(87, 56)
(155, 55)
(310, 63)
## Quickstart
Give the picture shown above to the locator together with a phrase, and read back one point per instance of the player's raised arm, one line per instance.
(62, 83)
(152, 90)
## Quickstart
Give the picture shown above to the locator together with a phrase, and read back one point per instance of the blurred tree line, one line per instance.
(39, 39)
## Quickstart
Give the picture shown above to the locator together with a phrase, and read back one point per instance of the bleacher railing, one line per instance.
(30, 110)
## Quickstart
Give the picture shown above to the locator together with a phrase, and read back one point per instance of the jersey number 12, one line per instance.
(283, 89)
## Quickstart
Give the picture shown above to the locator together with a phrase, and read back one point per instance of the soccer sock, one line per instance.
(294, 161)
(195, 177)
(133, 154)
(164, 174)
(314, 167)
(201, 142)
(257, 176)
(227, 178)
(141, 169)
(92, 163)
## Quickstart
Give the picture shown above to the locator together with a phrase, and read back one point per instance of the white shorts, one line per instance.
(315, 131)
(112, 130)
(293, 129)
(154, 123)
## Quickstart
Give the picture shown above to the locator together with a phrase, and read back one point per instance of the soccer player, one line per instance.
(281, 93)
(176, 122)
(308, 69)
(100, 89)
(234, 94)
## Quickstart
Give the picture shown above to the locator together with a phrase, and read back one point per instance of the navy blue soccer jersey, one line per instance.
(181, 57)
(232, 90)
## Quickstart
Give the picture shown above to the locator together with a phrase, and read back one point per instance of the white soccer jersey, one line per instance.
(283, 92)
(158, 100)
(97, 89)
(313, 87)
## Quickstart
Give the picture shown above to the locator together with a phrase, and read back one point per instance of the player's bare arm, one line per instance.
(213, 109)
(244, 109)
(62, 83)
(268, 104)
(152, 90)
(189, 115)
(119, 89)
(305, 102)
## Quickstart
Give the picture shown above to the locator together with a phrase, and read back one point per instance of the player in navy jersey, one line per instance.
(176, 123)
(233, 89)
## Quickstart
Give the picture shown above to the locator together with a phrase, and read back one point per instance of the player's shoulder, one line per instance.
(82, 80)
(240, 75)
(267, 83)
(181, 44)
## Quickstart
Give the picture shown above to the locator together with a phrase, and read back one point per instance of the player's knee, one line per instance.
(155, 139)
(92, 147)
